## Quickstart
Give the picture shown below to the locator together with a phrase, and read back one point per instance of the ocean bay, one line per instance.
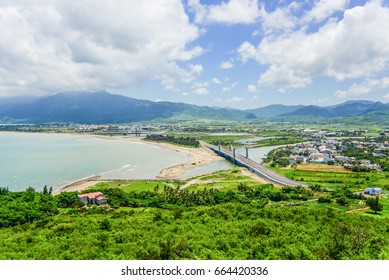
(37, 159)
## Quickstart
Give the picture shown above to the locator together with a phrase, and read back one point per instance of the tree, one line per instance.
(343, 201)
(105, 224)
(375, 204)
(66, 199)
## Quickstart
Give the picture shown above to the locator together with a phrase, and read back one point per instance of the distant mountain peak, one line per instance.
(104, 107)
(345, 109)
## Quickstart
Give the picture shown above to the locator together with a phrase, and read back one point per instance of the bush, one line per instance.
(260, 228)
(343, 201)
(105, 224)
(324, 199)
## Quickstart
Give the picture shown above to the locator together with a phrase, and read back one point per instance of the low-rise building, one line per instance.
(373, 191)
(93, 198)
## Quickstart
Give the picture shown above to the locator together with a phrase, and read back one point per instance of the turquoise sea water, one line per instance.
(28, 159)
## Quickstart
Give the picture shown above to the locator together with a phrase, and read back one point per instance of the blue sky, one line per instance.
(231, 53)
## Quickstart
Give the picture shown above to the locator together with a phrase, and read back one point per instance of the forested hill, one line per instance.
(346, 109)
(103, 107)
(169, 224)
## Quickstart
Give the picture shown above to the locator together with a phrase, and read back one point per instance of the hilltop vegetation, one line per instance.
(225, 215)
(228, 231)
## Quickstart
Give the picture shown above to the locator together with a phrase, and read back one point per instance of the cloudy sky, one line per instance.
(231, 53)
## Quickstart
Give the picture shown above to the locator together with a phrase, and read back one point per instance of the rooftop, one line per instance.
(91, 195)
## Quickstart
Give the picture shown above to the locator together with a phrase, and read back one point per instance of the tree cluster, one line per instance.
(226, 231)
(186, 141)
(25, 207)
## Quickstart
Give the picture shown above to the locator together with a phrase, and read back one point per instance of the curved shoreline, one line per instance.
(196, 157)
(79, 185)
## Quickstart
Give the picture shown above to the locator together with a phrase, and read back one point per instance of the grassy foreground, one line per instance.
(229, 231)
(224, 215)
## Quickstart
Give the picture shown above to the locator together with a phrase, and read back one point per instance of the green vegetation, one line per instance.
(279, 141)
(384, 201)
(25, 207)
(375, 204)
(367, 154)
(278, 157)
(335, 180)
(227, 231)
(185, 141)
(137, 185)
(223, 215)
(224, 140)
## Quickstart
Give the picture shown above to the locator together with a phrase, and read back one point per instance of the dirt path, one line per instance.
(359, 209)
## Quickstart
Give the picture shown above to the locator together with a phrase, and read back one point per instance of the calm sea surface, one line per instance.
(28, 159)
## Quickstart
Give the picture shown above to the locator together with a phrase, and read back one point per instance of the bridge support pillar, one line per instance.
(219, 146)
(230, 146)
(247, 152)
(234, 152)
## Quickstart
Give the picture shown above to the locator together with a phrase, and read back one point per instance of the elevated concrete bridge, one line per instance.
(262, 171)
(137, 133)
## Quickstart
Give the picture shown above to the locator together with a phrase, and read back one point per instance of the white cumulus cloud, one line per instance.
(325, 8)
(229, 88)
(216, 81)
(281, 19)
(252, 89)
(353, 47)
(196, 68)
(49, 46)
(201, 91)
(366, 87)
(234, 99)
(226, 65)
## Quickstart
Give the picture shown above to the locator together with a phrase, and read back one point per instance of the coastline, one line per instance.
(196, 157)
(79, 185)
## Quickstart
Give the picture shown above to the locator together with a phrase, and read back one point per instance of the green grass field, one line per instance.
(136, 186)
(224, 180)
(356, 181)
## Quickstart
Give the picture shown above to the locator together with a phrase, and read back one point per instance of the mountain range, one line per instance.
(103, 107)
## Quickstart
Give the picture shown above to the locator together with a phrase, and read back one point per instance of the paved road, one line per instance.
(262, 171)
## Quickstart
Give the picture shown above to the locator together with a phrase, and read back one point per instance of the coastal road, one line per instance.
(262, 171)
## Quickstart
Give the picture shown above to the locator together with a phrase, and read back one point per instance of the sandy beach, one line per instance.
(80, 185)
(196, 157)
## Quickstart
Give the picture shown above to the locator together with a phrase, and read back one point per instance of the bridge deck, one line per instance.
(262, 171)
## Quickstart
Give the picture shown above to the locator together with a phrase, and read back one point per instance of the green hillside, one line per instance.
(225, 215)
